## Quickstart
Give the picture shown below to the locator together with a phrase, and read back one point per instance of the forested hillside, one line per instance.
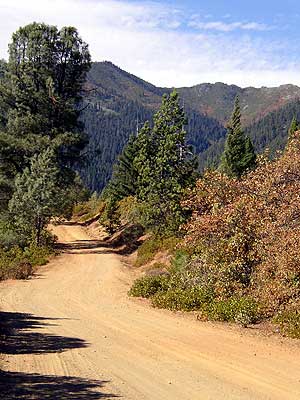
(270, 132)
(118, 103)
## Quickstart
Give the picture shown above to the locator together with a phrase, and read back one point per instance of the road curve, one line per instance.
(76, 335)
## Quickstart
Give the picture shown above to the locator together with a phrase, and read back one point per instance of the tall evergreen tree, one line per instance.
(239, 155)
(293, 127)
(165, 165)
(124, 179)
(40, 89)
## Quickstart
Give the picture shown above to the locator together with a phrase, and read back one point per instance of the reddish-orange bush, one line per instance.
(245, 234)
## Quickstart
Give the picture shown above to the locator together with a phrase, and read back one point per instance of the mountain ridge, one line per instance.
(118, 103)
(212, 99)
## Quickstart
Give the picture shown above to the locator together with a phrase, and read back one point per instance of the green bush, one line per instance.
(147, 286)
(37, 255)
(241, 310)
(179, 260)
(289, 322)
(190, 288)
(16, 263)
(184, 300)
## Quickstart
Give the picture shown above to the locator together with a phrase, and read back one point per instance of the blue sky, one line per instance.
(178, 43)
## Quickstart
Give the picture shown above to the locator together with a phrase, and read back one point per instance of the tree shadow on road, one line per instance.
(21, 386)
(97, 247)
(85, 247)
(17, 336)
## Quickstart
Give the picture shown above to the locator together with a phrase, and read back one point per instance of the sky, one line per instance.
(177, 43)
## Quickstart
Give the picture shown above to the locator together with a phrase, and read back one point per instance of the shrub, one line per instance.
(289, 322)
(128, 211)
(180, 260)
(240, 310)
(180, 299)
(13, 264)
(245, 233)
(147, 286)
(16, 263)
(37, 255)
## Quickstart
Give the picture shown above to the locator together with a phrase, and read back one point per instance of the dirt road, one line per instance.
(77, 336)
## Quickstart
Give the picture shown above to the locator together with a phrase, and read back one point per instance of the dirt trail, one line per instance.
(84, 339)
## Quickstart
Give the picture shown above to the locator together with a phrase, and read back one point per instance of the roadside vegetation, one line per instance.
(88, 207)
(40, 141)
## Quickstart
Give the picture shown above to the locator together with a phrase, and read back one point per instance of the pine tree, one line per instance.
(249, 159)
(239, 155)
(36, 197)
(293, 128)
(124, 179)
(165, 165)
(40, 94)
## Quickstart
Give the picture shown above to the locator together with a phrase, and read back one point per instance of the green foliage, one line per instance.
(73, 195)
(110, 218)
(153, 245)
(293, 127)
(124, 179)
(147, 286)
(119, 104)
(16, 263)
(189, 288)
(40, 94)
(177, 299)
(238, 156)
(40, 133)
(37, 255)
(128, 211)
(155, 168)
(9, 235)
(289, 322)
(85, 210)
(165, 167)
(36, 198)
(123, 102)
(241, 310)
(269, 132)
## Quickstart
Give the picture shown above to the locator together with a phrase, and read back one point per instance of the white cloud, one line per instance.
(148, 39)
(228, 27)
